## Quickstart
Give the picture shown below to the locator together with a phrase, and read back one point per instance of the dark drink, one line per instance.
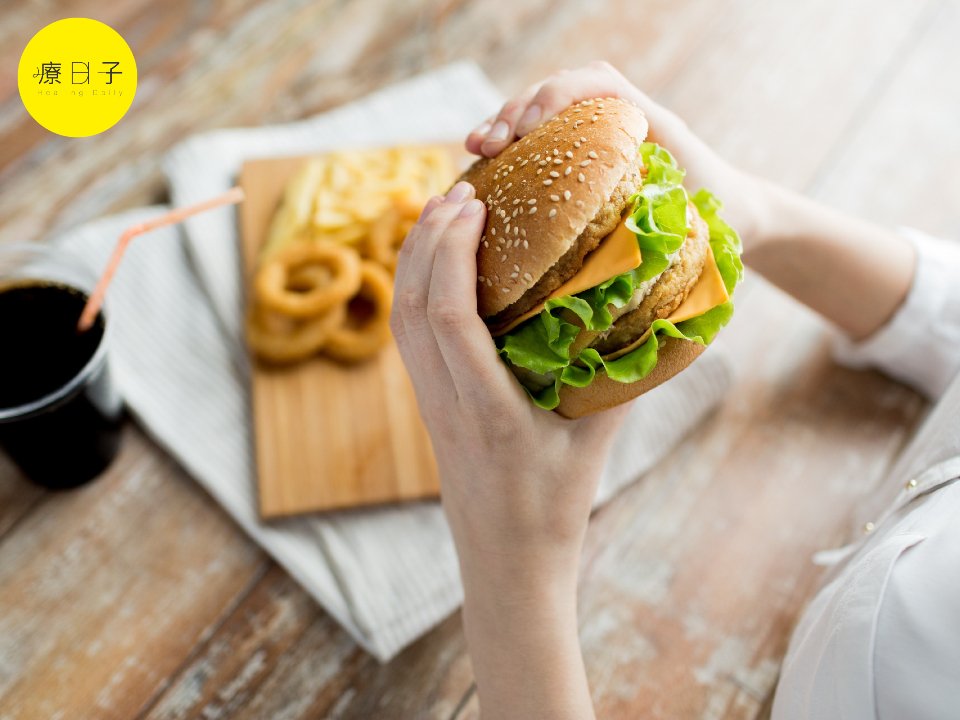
(59, 412)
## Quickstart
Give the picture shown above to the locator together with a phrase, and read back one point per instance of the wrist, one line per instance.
(524, 575)
(525, 650)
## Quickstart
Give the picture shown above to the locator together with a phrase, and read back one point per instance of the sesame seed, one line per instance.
(556, 152)
(516, 201)
(527, 276)
(499, 193)
(576, 143)
(569, 154)
(590, 154)
(566, 194)
(553, 212)
(543, 162)
(548, 181)
(594, 118)
(537, 156)
(516, 231)
(493, 231)
(532, 210)
(486, 244)
(582, 139)
(516, 267)
(522, 231)
(503, 258)
(509, 185)
(577, 124)
(505, 290)
(555, 198)
(510, 169)
(557, 161)
(524, 162)
(554, 174)
(581, 177)
(584, 163)
(507, 231)
(568, 170)
(514, 275)
(587, 102)
(526, 245)
(515, 212)
(532, 201)
(489, 282)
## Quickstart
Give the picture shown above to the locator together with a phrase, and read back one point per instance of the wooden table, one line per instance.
(136, 597)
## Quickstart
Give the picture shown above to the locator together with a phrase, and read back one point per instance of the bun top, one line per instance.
(543, 190)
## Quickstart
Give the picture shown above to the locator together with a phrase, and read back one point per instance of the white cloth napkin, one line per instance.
(386, 575)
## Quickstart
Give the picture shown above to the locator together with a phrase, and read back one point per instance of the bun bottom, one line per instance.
(603, 393)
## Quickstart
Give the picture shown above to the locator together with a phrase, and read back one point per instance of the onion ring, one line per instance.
(383, 242)
(359, 339)
(272, 281)
(379, 243)
(276, 338)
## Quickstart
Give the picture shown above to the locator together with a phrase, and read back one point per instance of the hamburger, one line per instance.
(598, 274)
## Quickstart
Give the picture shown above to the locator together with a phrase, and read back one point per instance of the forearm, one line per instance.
(525, 651)
(854, 273)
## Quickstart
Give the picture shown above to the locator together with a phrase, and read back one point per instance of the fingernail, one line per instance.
(481, 129)
(529, 118)
(499, 131)
(471, 208)
(459, 192)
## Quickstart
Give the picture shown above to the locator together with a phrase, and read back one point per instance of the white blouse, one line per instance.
(881, 639)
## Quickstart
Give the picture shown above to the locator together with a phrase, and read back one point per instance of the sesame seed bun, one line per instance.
(547, 190)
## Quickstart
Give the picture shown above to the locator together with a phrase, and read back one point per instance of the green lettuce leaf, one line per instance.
(658, 218)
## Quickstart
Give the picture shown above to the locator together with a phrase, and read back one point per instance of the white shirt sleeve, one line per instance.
(920, 345)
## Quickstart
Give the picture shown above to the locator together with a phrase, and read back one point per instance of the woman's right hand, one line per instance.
(742, 194)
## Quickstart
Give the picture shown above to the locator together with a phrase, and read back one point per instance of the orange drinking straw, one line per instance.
(90, 310)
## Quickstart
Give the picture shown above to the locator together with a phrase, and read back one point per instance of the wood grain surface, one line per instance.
(328, 436)
(136, 597)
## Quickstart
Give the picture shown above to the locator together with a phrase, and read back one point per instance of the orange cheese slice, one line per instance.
(616, 254)
(708, 293)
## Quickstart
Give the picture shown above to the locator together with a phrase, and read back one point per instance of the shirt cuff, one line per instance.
(920, 345)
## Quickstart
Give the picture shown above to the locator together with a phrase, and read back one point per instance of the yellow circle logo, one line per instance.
(77, 77)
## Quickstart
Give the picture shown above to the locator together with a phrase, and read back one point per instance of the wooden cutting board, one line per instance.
(327, 436)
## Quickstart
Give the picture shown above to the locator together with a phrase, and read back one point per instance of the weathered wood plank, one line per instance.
(106, 590)
(278, 655)
(899, 164)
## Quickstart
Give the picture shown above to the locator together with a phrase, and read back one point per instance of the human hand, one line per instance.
(742, 194)
(517, 482)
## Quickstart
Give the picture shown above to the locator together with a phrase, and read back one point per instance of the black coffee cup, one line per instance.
(60, 412)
